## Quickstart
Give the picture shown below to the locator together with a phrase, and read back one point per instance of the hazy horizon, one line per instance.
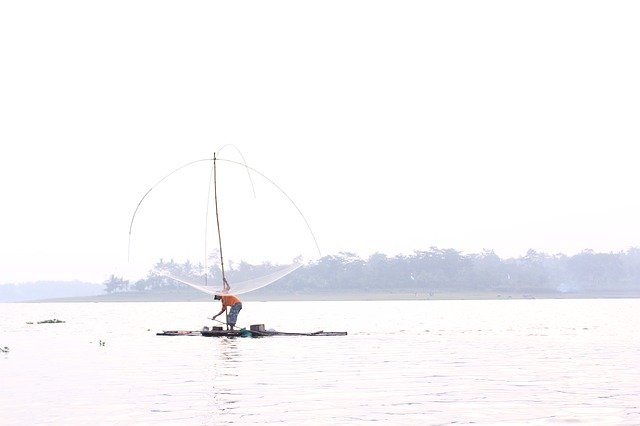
(231, 265)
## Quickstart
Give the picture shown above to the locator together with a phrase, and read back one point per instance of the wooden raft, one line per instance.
(253, 333)
(256, 330)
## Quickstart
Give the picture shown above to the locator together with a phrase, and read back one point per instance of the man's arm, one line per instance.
(219, 313)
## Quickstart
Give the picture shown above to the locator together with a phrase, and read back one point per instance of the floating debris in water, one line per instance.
(4, 350)
(102, 342)
(53, 321)
(29, 322)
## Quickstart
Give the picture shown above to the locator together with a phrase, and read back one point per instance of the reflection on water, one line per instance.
(408, 362)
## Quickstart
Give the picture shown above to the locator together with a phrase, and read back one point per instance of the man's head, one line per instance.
(217, 297)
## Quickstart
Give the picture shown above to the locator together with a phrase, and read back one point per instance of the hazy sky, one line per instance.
(393, 125)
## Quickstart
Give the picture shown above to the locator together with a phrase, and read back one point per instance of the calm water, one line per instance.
(403, 363)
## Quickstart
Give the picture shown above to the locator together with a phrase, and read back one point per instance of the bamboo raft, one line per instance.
(256, 330)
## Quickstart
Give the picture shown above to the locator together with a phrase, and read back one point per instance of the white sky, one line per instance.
(393, 125)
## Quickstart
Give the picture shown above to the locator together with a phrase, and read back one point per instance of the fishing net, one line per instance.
(247, 213)
(240, 287)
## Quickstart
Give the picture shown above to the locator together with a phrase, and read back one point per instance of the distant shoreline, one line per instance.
(178, 297)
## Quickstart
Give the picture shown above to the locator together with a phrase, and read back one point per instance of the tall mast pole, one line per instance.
(215, 196)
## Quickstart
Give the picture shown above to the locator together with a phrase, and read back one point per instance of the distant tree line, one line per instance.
(48, 290)
(425, 272)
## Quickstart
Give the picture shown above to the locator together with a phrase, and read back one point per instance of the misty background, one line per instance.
(395, 126)
(434, 273)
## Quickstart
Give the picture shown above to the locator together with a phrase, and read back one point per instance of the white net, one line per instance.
(242, 286)
(254, 220)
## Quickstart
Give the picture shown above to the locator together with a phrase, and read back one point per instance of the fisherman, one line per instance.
(236, 306)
